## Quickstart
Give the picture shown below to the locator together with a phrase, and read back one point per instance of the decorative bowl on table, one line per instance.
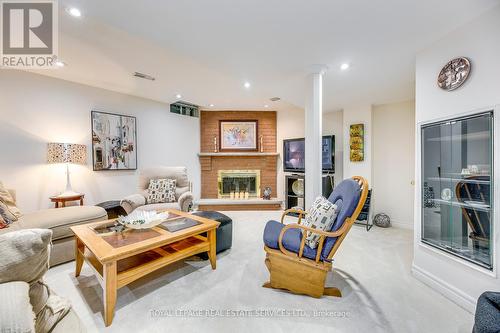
(142, 219)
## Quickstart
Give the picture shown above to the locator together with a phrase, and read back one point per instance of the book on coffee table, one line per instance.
(178, 223)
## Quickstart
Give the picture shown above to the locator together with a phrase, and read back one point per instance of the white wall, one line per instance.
(290, 124)
(36, 109)
(358, 114)
(394, 162)
(333, 123)
(478, 40)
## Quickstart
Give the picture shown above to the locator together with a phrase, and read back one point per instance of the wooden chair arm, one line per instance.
(293, 210)
(323, 236)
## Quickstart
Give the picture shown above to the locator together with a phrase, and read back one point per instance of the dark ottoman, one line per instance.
(113, 208)
(487, 319)
(224, 234)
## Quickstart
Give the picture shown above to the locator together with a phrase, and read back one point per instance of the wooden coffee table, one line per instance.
(119, 258)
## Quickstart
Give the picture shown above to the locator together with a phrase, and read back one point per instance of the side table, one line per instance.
(60, 201)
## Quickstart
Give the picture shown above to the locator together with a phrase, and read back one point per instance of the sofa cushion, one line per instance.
(59, 220)
(16, 313)
(24, 255)
(291, 239)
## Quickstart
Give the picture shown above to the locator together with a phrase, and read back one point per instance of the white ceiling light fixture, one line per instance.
(266, 106)
(345, 66)
(211, 105)
(247, 85)
(178, 96)
(59, 64)
(75, 12)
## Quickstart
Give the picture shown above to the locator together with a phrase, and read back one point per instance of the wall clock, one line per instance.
(454, 74)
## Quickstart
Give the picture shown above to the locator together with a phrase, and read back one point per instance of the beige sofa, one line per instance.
(28, 303)
(183, 195)
(59, 220)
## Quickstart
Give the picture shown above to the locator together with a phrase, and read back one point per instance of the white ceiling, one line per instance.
(205, 50)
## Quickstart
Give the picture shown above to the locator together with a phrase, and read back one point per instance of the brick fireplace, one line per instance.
(215, 165)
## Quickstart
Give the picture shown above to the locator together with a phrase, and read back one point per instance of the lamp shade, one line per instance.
(66, 153)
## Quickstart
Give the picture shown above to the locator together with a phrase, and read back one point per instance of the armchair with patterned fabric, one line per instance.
(295, 266)
(183, 196)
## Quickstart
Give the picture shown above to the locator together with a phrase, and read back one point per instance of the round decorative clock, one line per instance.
(454, 74)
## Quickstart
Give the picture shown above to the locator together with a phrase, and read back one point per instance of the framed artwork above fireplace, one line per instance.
(238, 135)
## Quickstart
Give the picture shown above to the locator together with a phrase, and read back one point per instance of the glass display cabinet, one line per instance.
(457, 187)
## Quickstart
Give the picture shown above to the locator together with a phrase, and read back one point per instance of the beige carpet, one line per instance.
(373, 272)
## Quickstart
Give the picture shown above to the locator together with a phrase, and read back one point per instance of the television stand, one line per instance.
(295, 195)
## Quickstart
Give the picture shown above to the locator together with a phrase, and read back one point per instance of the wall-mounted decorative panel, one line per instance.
(357, 143)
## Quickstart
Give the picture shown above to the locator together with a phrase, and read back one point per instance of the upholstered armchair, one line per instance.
(183, 195)
(296, 267)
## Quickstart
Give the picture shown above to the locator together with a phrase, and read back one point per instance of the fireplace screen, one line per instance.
(239, 184)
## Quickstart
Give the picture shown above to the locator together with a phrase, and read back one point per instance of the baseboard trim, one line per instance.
(456, 296)
(402, 225)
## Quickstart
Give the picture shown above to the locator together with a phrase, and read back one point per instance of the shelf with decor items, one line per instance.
(457, 187)
(236, 154)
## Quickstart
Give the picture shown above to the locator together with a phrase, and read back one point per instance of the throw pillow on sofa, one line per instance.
(25, 257)
(8, 208)
(321, 216)
(3, 224)
(161, 191)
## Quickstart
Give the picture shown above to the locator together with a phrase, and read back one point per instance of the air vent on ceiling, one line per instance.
(144, 76)
(185, 109)
(274, 99)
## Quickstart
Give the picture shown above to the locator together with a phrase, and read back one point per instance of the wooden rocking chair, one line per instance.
(296, 267)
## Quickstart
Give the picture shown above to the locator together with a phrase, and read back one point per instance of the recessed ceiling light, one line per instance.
(345, 66)
(59, 63)
(75, 12)
(266, 106)
(211, 105)
(247, 85)
(178, 96)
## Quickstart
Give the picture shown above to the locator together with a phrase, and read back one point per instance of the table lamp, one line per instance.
(67, 153)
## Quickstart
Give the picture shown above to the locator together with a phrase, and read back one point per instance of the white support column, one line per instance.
(313, 133)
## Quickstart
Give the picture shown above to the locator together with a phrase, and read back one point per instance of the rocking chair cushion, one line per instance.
(345, 195)
(291, 239)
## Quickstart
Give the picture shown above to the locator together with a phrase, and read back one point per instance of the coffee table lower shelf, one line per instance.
(120, 259)
(139, 265)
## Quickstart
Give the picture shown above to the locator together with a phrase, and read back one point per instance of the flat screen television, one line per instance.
(294, 154)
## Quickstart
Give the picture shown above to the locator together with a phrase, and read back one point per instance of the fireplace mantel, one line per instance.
(236, 154)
